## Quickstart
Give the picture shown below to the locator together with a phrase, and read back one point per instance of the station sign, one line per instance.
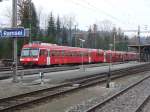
(12, 32)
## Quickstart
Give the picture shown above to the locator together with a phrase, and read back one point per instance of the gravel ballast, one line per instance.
(129, 100)
(136, 96)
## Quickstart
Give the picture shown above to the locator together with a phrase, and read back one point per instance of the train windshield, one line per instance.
(30, 52)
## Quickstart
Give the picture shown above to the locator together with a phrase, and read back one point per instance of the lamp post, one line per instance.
(75, 40)
(139, 44)
(128, 49)
(81, 42)
(109, 70)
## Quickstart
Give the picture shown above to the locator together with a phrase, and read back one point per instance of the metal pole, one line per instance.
(30, 16)
(109, 71)
(70, 36)
(75, 36)
(139, 44)
(82, 55)
(14, 24)
(114, 42)
(81, 44)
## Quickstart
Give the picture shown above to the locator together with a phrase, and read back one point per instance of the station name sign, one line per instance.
(12, 32)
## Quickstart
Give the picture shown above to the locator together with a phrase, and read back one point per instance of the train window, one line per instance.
(56, 53)
(43, 52)
(76, 53)
(69, 53)
(30, 52)
(100, 54)
(86, 54)
(80, 53)
(65, 53)
(73, 54)
(52, 53)
(83, 54)
(62, 53)
(97, 54)
(89, 54)
(46, 53)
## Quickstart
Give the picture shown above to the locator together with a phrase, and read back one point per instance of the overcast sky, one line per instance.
(127, 14)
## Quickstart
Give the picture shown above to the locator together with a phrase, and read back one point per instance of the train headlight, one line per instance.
(21, 59)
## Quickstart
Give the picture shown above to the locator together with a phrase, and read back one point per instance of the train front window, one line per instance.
(30, 52)
(34, 52)
(25, 53)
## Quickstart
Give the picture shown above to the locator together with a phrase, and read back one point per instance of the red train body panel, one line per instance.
(42, 54)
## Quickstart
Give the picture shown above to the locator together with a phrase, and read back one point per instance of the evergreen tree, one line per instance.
(89, 38)
(6, 45)
(51, 30)
(58, 31)
(64, 36)
(34, 23)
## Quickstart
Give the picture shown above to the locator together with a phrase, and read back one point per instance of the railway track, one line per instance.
(6, 72)
(3, 68)
(105, 106)
(32, 98)
(140, 108)
(9, 68)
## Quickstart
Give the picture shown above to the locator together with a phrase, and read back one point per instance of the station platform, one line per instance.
(33, 82)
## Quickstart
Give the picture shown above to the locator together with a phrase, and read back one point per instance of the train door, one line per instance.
(43, 57)
(48, 57)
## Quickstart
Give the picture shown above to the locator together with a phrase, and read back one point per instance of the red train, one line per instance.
(42, 54)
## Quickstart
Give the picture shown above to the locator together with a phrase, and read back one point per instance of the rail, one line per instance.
(23, 100)
(92, 109)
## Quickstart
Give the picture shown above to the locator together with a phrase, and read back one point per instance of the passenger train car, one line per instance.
(41, 54)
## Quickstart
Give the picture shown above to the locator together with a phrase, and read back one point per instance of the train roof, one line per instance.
(57, 47)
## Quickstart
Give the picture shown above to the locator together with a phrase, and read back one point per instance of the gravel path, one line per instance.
(129, 100)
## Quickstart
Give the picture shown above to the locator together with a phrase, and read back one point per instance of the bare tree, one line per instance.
(105, 25)
(69, 22)
(8, 15)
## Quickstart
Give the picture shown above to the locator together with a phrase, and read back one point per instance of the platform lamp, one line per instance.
(109, 70)
(81, 44)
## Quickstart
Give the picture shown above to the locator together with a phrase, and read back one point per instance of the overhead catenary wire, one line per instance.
(91, 7)
(88, 5)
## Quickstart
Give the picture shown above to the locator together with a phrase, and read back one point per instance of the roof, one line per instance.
(141, 45)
